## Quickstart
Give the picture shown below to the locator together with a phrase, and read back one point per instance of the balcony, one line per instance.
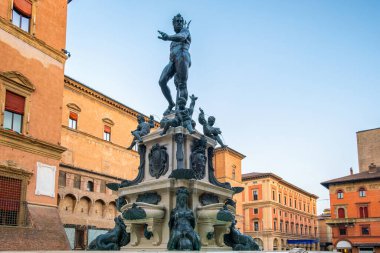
(344, 221)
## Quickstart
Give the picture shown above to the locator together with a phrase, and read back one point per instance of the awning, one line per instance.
(343, 245)
(303, 241)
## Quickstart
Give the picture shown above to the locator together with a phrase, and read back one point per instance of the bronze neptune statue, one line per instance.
(179, 61)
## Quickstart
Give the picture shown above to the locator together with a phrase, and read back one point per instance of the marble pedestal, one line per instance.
(210, 229)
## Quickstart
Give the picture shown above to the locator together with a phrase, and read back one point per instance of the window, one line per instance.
(290, 202)
(13, 184)
(365, 230)
(77, 181)
(286, 227)
(281, 224)
(73, 120)
(273, 195)
(255, 195)
(341, 213)
(274, 225)
(295, 203)
(363, 212)
(255, 211)
(21, 14)
(362, 192)
(103, 186)
(90, 186)
(340, 194)
(10, 189)
(284, 200)
(256, 225)
(62, 178)
(14, 111)
(274, 210)
(107, 133)
(342, 231)
(279, 198)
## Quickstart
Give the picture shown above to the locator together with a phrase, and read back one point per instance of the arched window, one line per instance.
(340, 194)
(362, 192)
(90, 186)
(21, 14)
(341, 213)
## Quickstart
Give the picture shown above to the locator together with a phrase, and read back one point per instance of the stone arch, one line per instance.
(67, 203)
(111, 211)
(283, 244)
(84, 206)
(260, 243)
(276, 243)
(99, 208)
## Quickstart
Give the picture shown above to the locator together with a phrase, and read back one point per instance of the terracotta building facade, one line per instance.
(355, 211)
(32, 36)
(278, 214)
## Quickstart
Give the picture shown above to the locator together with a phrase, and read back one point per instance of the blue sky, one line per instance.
(289, 82)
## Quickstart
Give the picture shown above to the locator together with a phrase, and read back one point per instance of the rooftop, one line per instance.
(257, 175)
(372, 174)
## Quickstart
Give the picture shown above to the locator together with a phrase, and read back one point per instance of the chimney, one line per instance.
(351, 171)
(372, 168)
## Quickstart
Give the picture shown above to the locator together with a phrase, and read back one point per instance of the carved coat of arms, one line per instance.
(198, 158)
(158, 161)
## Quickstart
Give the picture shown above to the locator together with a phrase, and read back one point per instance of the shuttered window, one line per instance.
(22, 13)
(14, 111)
(107, 133)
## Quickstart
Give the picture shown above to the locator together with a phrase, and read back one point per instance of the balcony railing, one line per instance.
(341, 221)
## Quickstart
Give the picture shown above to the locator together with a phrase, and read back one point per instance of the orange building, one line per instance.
(32, 36)
(355, 211)
(278, 214)
(96, 131)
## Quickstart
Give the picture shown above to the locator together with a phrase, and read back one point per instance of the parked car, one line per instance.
(297, 250)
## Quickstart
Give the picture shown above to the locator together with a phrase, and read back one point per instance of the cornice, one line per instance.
(12, 167)
(29, 144)
(269, 203)
(246, 178)
(79, 87)
(231, 151)
(17, 79)
(32, 41)
(101, 175)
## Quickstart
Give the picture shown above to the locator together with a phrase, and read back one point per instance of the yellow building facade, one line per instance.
(278, 214)
(96, 131)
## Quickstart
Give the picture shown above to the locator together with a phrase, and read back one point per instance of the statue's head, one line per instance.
(182, 195)
(140, 118)
(181, 103)
(211, 120)
(178, 23)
